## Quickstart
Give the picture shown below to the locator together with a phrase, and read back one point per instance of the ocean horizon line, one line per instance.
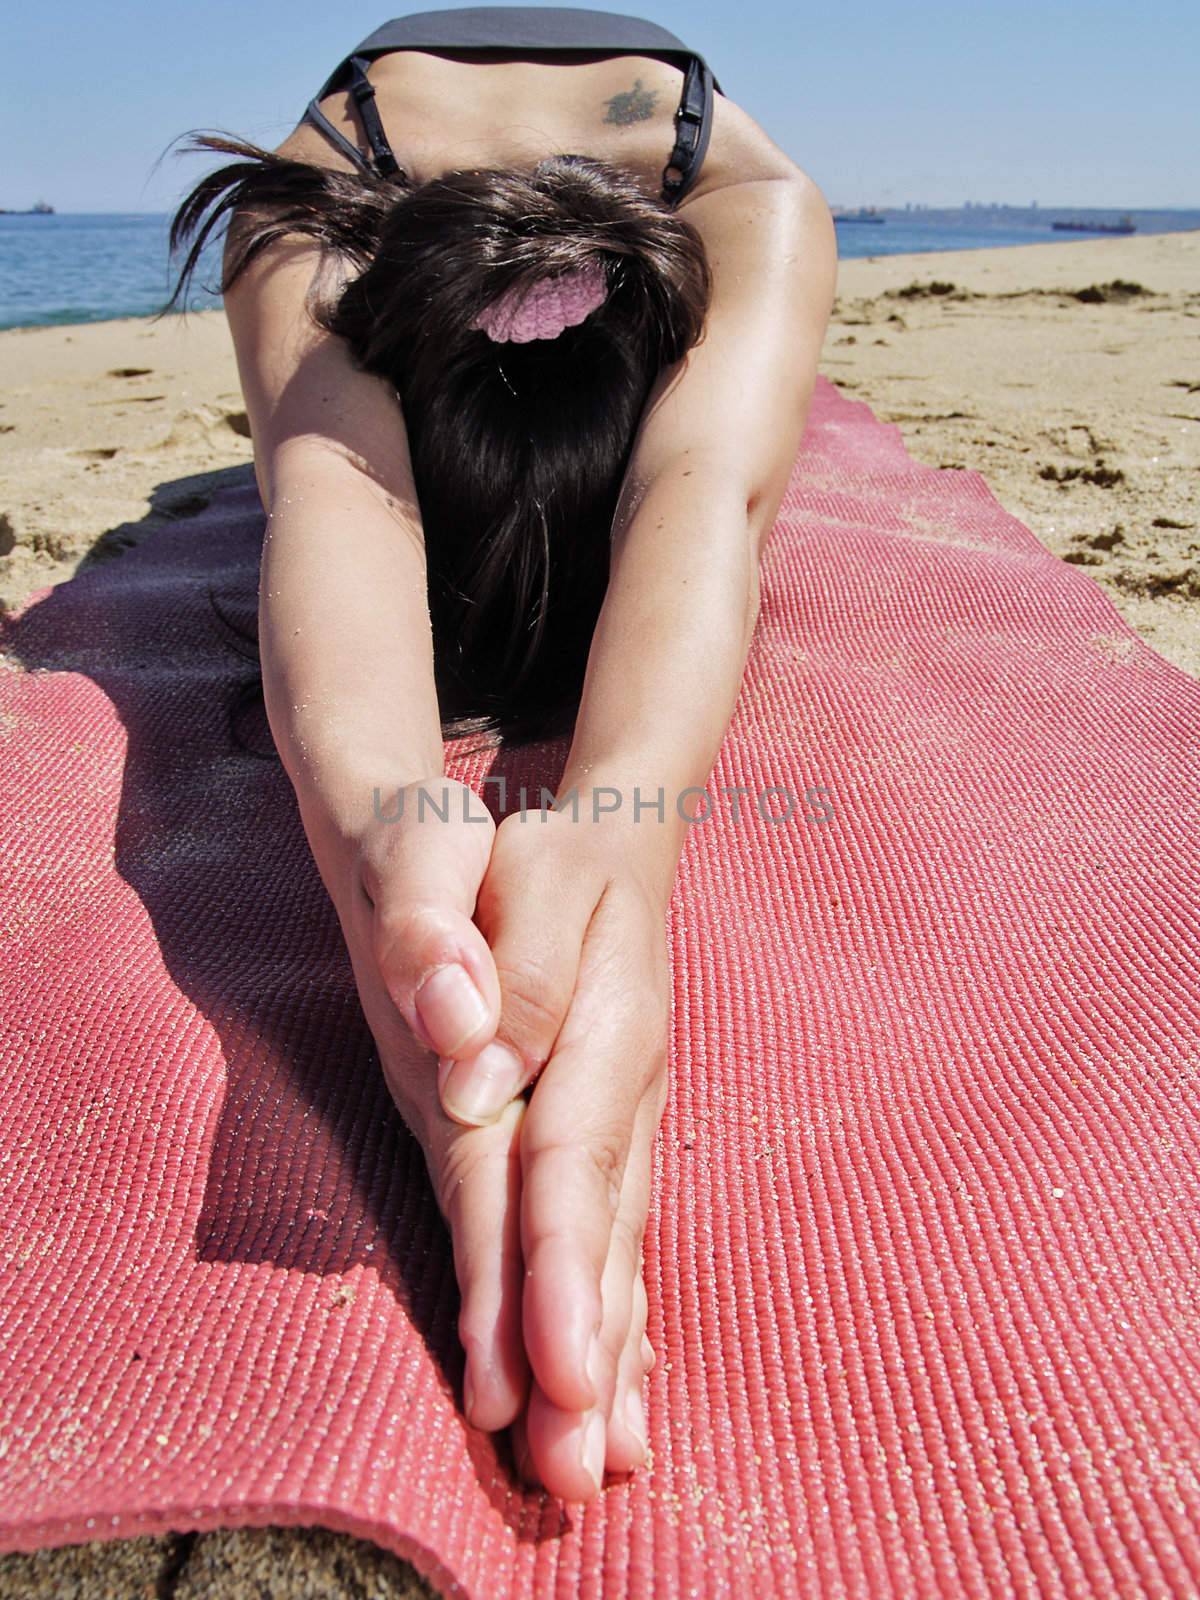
(66, 268)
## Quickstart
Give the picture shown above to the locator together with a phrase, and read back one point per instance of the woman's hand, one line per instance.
(546, 1203)
(405, 894)
(574, 915)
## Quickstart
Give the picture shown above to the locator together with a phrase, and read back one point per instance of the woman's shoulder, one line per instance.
(739, 151)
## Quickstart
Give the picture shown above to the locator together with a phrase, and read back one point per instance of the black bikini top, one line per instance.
(519, 28)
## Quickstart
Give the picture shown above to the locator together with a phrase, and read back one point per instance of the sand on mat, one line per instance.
(1082, 413)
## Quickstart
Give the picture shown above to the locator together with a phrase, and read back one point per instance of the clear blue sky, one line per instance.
(881, 102)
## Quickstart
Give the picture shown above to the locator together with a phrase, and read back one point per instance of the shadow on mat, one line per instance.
(310, 1167)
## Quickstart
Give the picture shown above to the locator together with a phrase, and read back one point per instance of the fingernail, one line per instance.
(468, 1392)
(635, 1419)
(450, 1008)
(478, 1090)
(592, 1454)
(648, 1356)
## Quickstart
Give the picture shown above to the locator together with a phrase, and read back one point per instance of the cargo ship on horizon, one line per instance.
(1124, 224)
(862, 214)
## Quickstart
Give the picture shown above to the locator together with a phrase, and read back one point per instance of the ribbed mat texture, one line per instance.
(924, 1249)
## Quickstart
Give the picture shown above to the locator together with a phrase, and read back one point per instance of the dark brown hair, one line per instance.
(518, 450)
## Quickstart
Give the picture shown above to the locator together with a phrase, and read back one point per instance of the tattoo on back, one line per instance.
(635, 105)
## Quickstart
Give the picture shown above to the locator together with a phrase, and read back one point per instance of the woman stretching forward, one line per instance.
(524, 404)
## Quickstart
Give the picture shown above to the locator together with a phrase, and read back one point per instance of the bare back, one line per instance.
(450, 109)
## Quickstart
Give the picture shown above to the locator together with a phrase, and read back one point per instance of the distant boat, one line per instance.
(863, 214)
(1122, 225)
(38, 209)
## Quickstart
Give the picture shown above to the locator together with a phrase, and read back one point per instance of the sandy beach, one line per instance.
(1067, 374)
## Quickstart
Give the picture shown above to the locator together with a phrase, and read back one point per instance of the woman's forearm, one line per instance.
(346, 647)
(668, 654)
(717, 443)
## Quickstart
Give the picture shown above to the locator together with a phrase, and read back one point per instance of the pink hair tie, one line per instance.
(544, 310)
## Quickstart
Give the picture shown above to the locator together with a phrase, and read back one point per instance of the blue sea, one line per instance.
(87, 268)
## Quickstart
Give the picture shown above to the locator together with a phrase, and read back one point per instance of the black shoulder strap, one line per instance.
(692, 122)
(362, 91)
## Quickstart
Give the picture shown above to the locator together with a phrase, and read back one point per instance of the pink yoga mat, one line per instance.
(924, 1249)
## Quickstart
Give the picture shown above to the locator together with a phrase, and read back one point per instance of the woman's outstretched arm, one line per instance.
(706, 475)
(575, 910)
(705, 480)
(346, 648)
(344, 627)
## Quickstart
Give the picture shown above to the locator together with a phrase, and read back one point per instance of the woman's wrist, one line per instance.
(347, 802)
(635, 821)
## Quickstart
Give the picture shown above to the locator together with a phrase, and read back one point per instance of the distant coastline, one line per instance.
(1036, 216)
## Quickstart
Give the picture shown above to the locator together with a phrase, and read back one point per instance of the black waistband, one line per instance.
(520, 28)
